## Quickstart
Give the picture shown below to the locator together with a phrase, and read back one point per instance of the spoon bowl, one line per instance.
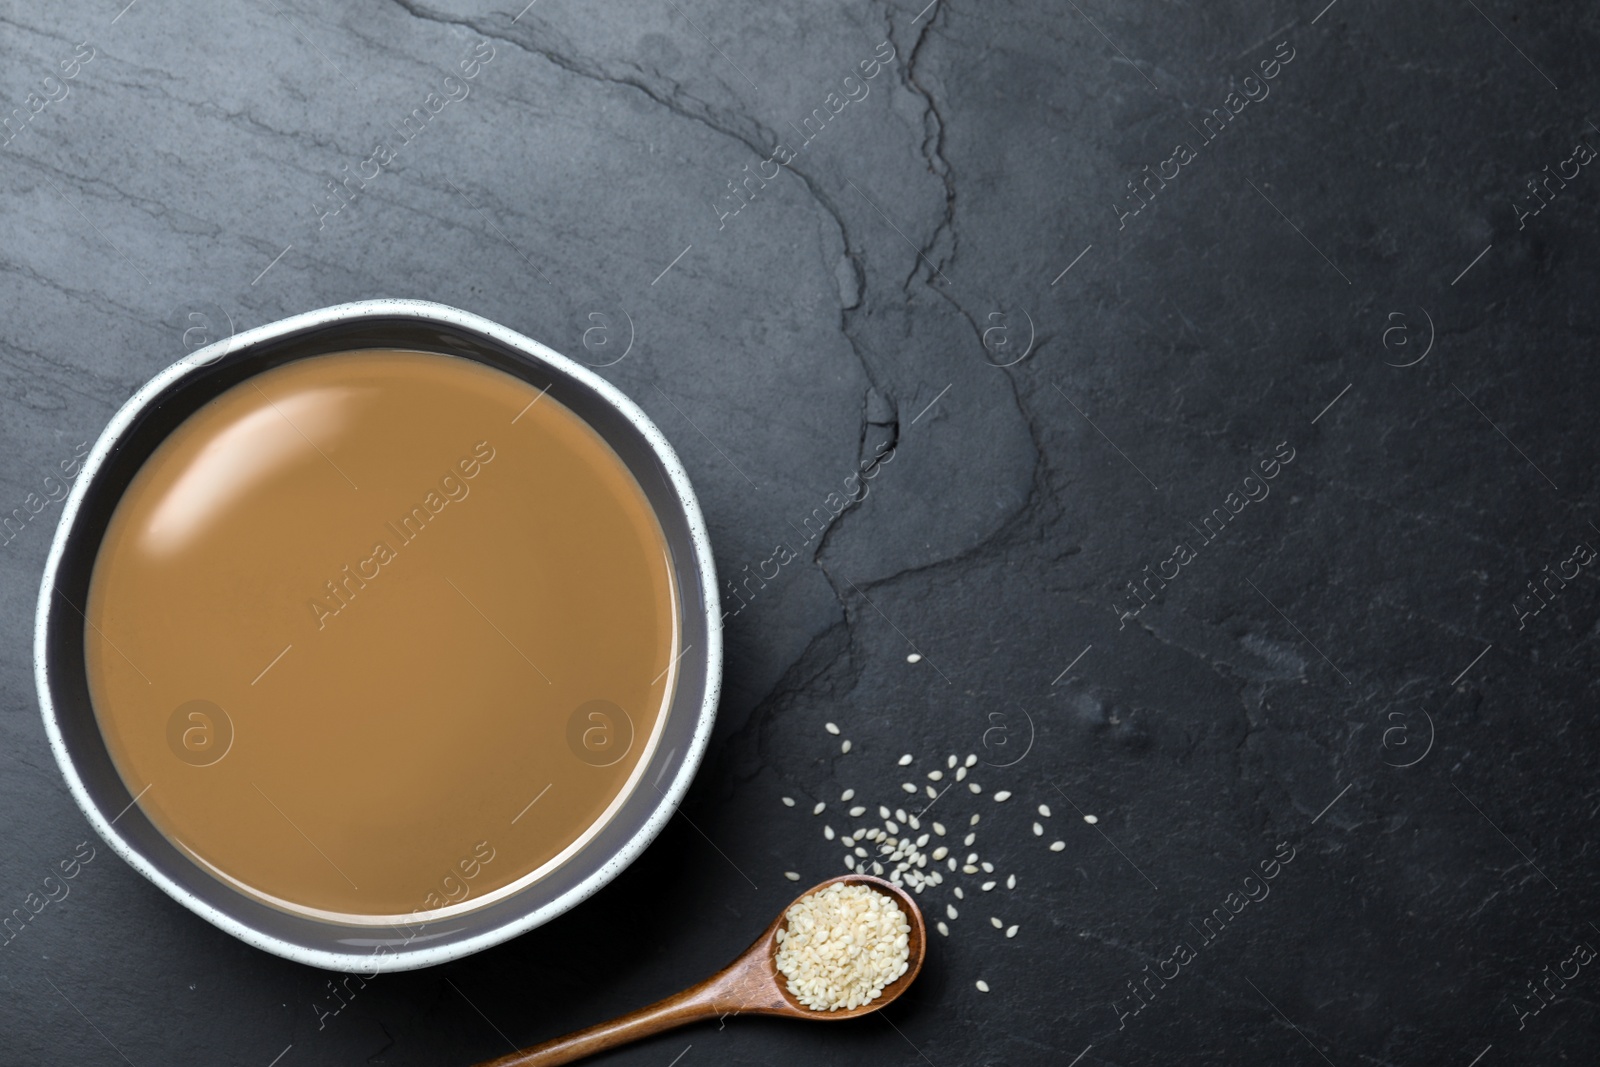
(750, 985)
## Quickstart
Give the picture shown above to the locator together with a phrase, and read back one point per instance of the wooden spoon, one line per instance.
(750, 985)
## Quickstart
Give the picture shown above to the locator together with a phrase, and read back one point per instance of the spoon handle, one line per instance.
(691, 1005)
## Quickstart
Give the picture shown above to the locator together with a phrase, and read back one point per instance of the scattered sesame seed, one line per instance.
(818, 809)
(861, 852)
(845, 747)
(1003, 795)
(972, 761)
(934, 776)
(922, 841)
(908, 787)
(938, 828)
(940, 853)
(850, 861)
(943, 929)
(1038, 831)
(883, 812)
(1044, 809)
(1011, 882)
(788, 802)
(975, 787)
(892, 826)
(905, 761)
(831, 728)
(915, 657)
(951, 763)
(915, 825)
(959, 894)
(988, 868)
(950, 910)
(969, 869)
(973, 821)
(961, 774)
(877, 868)
(952, 862)
(827, 831)
(1091, 819)
(900, 813)
(792, 876)
(1057, 846)
(1011, 931)
(846, 795)
(857, 811)
(969, 839)
(997, 923)
(983, 987)
(987, 886)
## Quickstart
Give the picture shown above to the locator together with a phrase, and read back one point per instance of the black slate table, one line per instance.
(1077, 277)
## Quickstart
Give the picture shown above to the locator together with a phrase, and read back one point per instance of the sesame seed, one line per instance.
(857, 811)
(922, 841)
(850, 861)
(969, 839)
(845, 747)
(846, 795)
(959, 894)
(988, 868)
(908, 787)
(997, 923)
(861, 852)
(938, 828)
(883, 812)
(915, 657)
(827, 831)
(905, 761)
(940, 853)
(877, 868)
(915, 825)
(983, 987)
(1003, 795)
(969, 869)
(961, 774)
(973, 821)
(792, 876)
(1044, 809)
(892, 826)
(1091, 819)
(972, 857)
(951, 763)
(952, 863)
(1011, 931)
(943, 929)
(831, 728)
(1057, 846)
(972, 761)
(1011, 882)
(1038, 831)
(900, 813)
(818, 809)
(934, 776)
(950, 910)
(788, 802)
(987, 886)
(975, 787)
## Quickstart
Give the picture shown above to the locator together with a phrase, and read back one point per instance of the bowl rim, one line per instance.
(670, 794)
